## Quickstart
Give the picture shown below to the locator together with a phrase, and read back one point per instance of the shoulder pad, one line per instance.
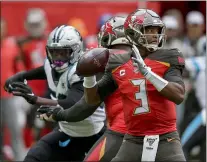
(72, 77)
(46, 63)
(171, 56)
(176, 57)
(117, 58)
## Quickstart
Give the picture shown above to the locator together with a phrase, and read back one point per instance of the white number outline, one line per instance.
(141, 95)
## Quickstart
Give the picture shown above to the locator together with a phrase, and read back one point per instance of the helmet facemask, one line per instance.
(146, 40)
(140, 38)
(59, 57)
(77, 51)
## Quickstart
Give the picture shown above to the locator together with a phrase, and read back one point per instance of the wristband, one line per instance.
(158, 82)
(89, 82)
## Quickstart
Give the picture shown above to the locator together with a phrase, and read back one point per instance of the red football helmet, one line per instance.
(135, 25)
(112, 32)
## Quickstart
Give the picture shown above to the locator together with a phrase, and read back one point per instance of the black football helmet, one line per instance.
(112, 32)
(134, 28)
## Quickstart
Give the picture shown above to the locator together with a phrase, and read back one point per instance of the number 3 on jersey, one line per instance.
(142, 96)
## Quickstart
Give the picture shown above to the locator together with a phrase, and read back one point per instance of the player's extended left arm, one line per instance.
(78, 112)
(33, 74)
(74, 95)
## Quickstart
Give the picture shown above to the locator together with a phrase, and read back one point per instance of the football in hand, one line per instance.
(92, 62)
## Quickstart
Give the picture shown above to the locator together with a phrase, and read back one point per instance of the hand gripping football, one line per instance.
(92, 62)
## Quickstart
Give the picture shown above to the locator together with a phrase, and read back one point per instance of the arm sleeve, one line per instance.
(174, 74)
(74, 95)
(77, 112)
(177, 65)
(106, 85)
(35, 74)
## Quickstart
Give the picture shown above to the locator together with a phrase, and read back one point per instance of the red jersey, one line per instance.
(115, 113)
(114, 109)
(34, 54)
(147, 112)
(10, 62)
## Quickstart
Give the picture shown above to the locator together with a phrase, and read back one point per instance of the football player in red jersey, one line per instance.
(111, 36)
(149, 92)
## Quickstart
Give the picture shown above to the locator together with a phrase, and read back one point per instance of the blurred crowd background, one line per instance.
(24, 29)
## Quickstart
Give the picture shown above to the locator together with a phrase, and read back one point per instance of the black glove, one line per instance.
(50, 110)
(19, 77)
(21, 89)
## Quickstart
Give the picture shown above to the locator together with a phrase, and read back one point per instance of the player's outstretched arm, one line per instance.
(74, 95)
(34, 74)
(23, 90)
(78, 112)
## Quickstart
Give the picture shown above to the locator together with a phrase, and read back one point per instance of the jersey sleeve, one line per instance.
(106, 86)
(77, 112)
(35, 74)
(177, 65)
(117, 58)
(176, 58)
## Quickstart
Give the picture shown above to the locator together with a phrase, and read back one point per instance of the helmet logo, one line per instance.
(109, 29)
(138, 19)
(127, 22)
(133, 20)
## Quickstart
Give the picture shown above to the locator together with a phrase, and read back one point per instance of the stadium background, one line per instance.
(88, 14)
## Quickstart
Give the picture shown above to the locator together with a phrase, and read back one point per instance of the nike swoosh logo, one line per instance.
(170, 139)
(64, 144)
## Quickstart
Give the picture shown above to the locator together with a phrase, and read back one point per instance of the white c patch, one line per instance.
(122, 72)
